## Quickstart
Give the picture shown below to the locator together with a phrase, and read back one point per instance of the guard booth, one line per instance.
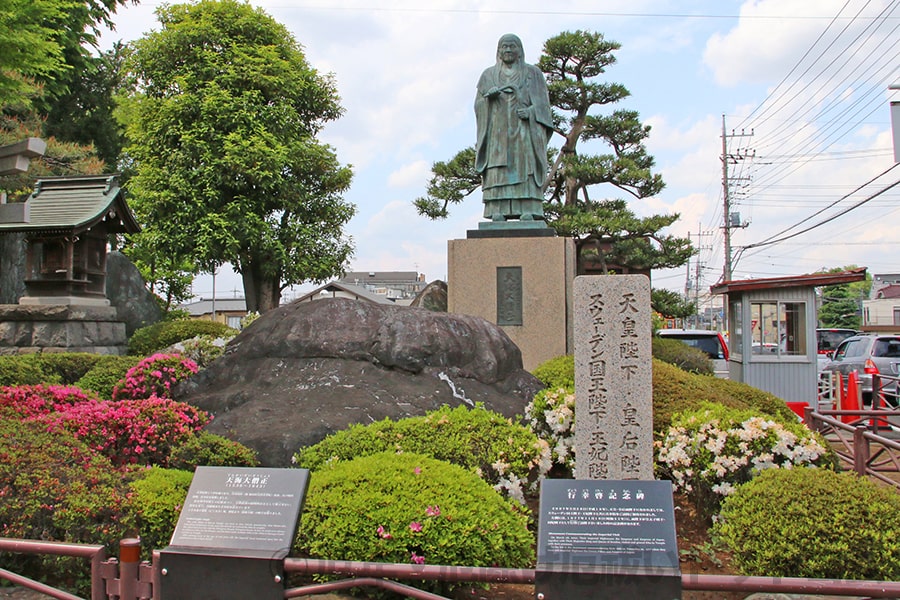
(772, 337)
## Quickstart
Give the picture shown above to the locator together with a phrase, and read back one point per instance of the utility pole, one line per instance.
(698, 276)
(730, 221)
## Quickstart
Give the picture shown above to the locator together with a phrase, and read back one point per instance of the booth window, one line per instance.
(736, 326)
(778, 328)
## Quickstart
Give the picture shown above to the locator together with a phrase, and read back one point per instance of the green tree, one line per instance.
(84, 112)
(842, 304)
(605, 230)
(30, 51)
(227, 165)
(671, 304)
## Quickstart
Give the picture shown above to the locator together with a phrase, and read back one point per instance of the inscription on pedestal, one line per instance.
(613, 378)
(509, 295)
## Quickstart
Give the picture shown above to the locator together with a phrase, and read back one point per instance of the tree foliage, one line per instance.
(671, 304)
(579, 184)
(842, 303)
(227, 165)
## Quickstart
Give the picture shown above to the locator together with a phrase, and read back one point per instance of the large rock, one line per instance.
(309, 369)
(126, 291)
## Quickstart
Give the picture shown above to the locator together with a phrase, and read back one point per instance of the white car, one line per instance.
(710, 342)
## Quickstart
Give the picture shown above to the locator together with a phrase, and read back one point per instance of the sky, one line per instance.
(800, 89)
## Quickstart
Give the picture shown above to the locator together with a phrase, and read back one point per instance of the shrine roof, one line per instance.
(75, 204)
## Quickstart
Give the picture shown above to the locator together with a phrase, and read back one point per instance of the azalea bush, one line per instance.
(812, 523)
(106, 373)
(130, 431)
(709, 451)
(503, 453)
(31, 401)
(55, 488)
(154, 376)
(410, 508)
(552, 417)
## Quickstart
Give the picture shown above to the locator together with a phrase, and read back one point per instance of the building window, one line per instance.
(736, 326)
(896, 315)
(234, 322)
(778, 328)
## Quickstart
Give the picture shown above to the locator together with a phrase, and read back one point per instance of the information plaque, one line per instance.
(604, 539)
(235, 528)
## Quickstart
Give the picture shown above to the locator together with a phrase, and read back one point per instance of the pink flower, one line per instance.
(417, 470)
(432, 511)
(415, 526)
(382, 532)
(416, 559)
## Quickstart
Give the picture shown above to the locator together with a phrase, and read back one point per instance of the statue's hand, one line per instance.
(523, 112)
(492, 93)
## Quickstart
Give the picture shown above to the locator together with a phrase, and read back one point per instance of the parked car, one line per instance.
(827, 341)
(869, 354)
(710, 342)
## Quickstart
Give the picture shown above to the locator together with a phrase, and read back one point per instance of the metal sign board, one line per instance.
(241, 509)
(604, 539)
(236, 527)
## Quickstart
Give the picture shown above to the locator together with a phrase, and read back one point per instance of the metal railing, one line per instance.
(127, 578)
(854, 437)
(96, 554)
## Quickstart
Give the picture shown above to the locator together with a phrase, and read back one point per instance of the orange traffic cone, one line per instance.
(851, 400)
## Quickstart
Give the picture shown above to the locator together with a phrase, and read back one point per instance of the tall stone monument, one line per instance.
(613, 378)
(513, 270)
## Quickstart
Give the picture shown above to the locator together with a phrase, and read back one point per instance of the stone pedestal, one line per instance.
(522, 282)
(61, 328)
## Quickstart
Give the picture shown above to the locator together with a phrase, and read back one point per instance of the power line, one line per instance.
(865, 200)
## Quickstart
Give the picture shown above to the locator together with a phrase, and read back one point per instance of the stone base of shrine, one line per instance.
(33, 328)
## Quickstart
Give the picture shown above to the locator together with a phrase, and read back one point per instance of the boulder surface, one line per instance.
(309, 369)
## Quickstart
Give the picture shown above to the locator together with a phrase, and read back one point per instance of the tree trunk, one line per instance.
(262, 292)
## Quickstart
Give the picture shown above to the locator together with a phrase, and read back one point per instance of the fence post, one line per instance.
(129, 563)
(860, 450)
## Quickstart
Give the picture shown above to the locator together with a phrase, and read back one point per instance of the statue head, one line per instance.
(510, 50)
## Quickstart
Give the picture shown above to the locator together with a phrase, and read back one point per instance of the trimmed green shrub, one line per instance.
(709, 451)
(55, 488)
(675, 390)
(551, 416)
(159, 336)
(211, 450)
(154, 503)
(503, 453)
(812, 523)
(202, 349)
(681, 355)
(104, 376)
(557, 372)
(68, 367)
(410, 508)
(154, 376)
(23, 370)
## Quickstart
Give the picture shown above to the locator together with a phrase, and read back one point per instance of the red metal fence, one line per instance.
(129, 579)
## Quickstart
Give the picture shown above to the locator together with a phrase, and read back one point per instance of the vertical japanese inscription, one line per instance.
(509, 295)
(613, 378)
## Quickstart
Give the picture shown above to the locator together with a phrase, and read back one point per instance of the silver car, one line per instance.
(867, 355)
